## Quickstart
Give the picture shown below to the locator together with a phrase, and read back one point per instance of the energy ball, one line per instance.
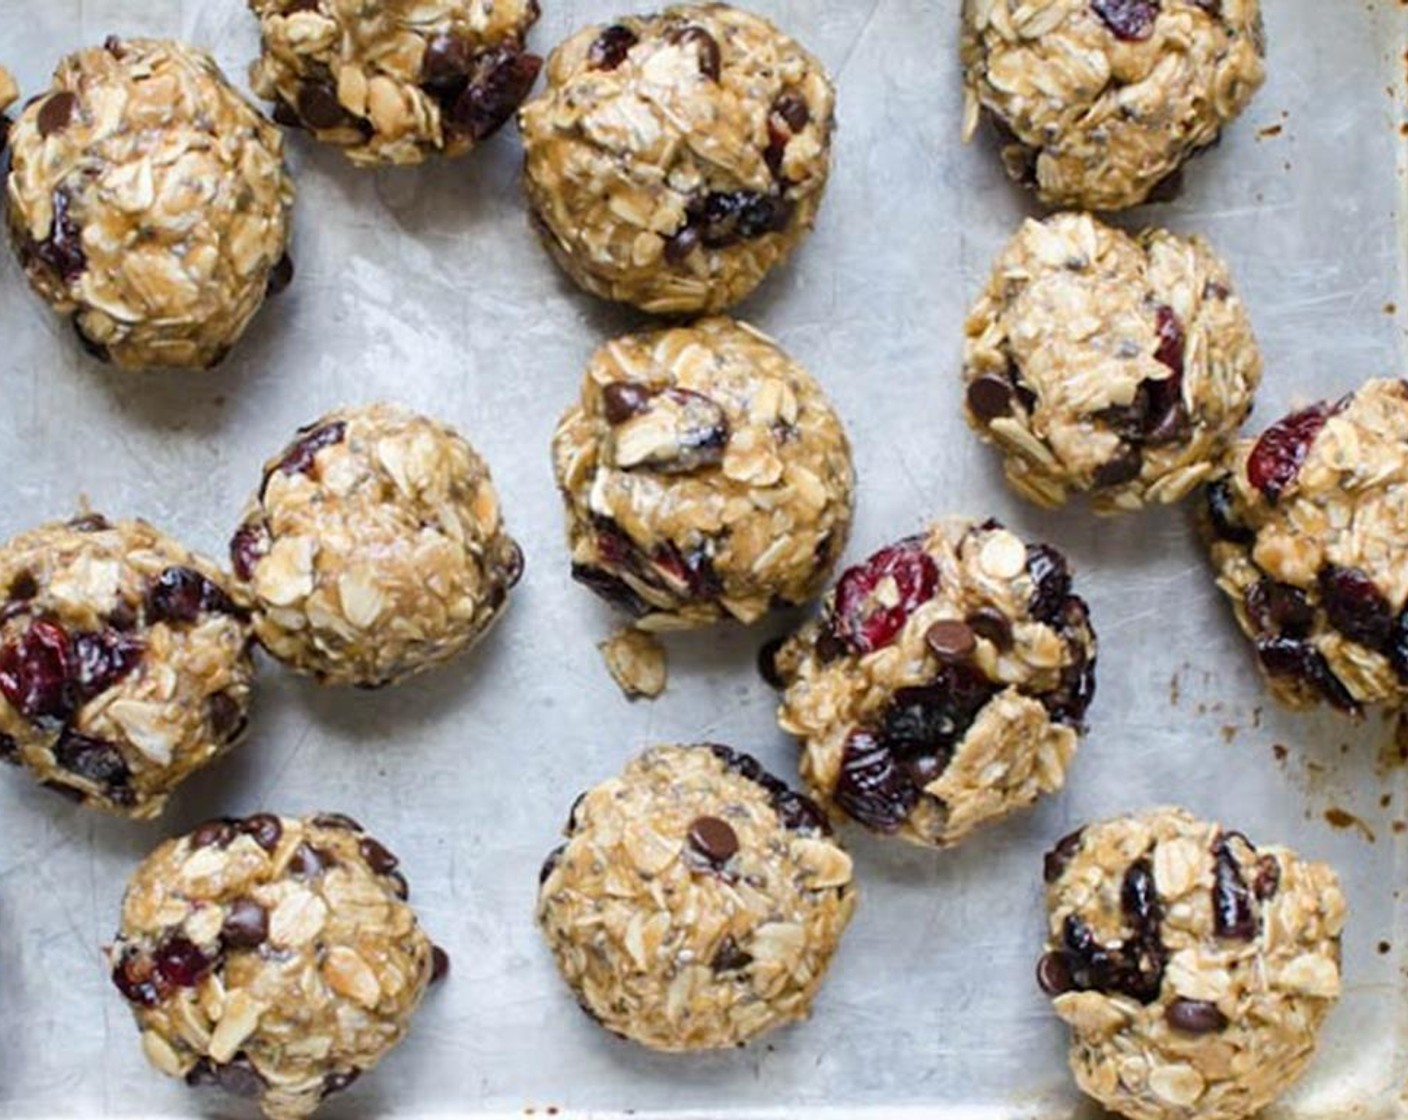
(944, 684)
(697, 901)
(705, 477)
(1100, 363)
(1309, 536)
(1193, 968)
(148, 202)
(124, 662)
(674, 159)
(1098, 102)
(396, 81)
(9, 94)
(374, 548)
(271, 958)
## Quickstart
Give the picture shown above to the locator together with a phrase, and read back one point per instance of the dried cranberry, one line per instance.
(623, 399)
(179, 595)
(859, 619)
(694, 570)
(498, 82)
(1231, 900)
(1130, 20)
(1355, 607)
(36, 671)
(1278, 608)
(609, 49)
(302, 453)
(62, 250)
(1074, 692)
(103, 660)
(872, 786)
(1290, 657)
(1171, 339)
(611, 588)
(181, 962)
(930, 720)
(137, 978)
(1222, 514)
(1051, 582)
(238, 1077)
(1139, 899)
(724, 218)
(226, 716)
(1277, 457)
(446, 61)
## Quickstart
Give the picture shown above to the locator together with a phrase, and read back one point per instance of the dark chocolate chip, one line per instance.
(1195, 1016)
(1053, 974)
(623, 399)
(56, 113)
(1128, 461)
(439, 964)
(992, 624)
(308, 861)
(714, 839)
(280, 276)
(767, 663)
(337, 820)
(319, 107)
(246, 926)
(1059, 858)
(792, 107)
(729, 957)
(213, 834)
(447, 60)
(339, 1080)
(378, 858)
(1232, 912)
(610, 48)
(990, 397)
(707, 47)
(950, 640)
(264, 829)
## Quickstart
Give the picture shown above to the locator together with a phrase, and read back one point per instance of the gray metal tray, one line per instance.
(427, 286)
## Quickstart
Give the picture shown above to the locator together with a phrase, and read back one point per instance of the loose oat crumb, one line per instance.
(636, 661)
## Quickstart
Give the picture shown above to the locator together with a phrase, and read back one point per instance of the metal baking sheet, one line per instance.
(426, 286)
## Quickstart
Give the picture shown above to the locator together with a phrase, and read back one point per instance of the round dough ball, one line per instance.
(944, 685)
(1096, 362)
(148, 200)
(1309, 537)
(697, 901)
(271, 958)
(398, 80)
(1193, 969)
(1098, 102)
(674, 159)
(705, 476)
(124, 662)
(374, 548)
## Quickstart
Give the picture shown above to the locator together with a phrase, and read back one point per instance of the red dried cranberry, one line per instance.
(693, 569)
(103, 660)
(1278, 609)
(1277, 457)
(1130, 20)
(872, 786)
(1231, 900)
(609, 49)
(1051, 582)
(301, 454)
(179, 595)
(1355, 607)
(36, 671)
(865, 624)
(623, 399)
(137, 978)
(446, 61)
(181, 962)
(498, 82)
(1139, 899)
(1171, 339)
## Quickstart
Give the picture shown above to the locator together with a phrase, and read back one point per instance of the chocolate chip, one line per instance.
(399, 887)
(990, 397)
(319, 107)
(951, 641)
(280, 276)
(9, 749)
(339, 1080)
(500, 80)
(239, 1078)
(992, 624)
(550, 864)
(264, 829)
(610, 48)
(56, 113)
(767, 663)
(246, 926)
(793, 109)
(227, 718)
(1053, 974)
(213, 834)
(1126, 465)
(1059, 858)
(439, 964)
(1195, 1016)
(308, 861)
(679, 246)
(447, 60)
(710, 60)
(381, 861)
(1232, 912)
(623, 399)
(714, 839)
(728, 957)
(337, 820)
(1268, 878)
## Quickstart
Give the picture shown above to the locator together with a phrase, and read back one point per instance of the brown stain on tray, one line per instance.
(1341, 819)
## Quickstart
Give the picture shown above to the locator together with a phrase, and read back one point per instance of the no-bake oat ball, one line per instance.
(674, 159)
(697, 901)
(1193, 968)
(705, 475)
(1309, 536)
(124, 662)
(396, 81)
(271, 958)
(944, 684)
(374, 548)
(9, 94)
(1097, 362)
(1098, 102)
(148, 201)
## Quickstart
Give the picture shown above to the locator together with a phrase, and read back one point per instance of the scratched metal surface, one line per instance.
(426, 286)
